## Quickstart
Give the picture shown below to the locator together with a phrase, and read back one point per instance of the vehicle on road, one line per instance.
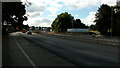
(29, 32)
(24, 31)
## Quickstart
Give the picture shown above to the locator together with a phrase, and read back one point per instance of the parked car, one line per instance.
(91, 33)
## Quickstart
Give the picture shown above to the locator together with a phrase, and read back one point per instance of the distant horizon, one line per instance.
(43, 12)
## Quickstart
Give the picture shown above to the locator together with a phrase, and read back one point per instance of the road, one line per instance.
(37, 50)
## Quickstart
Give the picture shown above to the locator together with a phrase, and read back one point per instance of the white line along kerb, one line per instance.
(32, 63)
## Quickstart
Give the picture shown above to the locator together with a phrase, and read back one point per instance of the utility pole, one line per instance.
(72, 22)
(111, 20)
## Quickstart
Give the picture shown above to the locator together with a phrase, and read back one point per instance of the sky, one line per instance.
(43, 12)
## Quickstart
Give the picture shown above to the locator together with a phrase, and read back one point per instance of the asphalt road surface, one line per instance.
(20, 49)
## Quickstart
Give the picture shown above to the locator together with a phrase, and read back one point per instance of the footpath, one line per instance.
(115, 41)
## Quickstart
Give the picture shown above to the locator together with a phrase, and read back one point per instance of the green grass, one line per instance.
(95, 31)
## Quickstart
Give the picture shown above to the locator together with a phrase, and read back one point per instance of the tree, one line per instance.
(78, 24)
(26, 27)
(103, 19)
(116, 21)
(13, 14)
(93, 27)
(62, 22)
(33, 28)
(39, 27)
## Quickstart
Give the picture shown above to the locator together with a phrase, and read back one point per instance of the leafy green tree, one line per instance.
(92, 27)
(103, 19)
(26, 27)
(33, 28)
(39, 27)
(13, 14)
(78, 24)
(62, 22)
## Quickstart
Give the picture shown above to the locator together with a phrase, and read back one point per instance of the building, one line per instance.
(82, 30)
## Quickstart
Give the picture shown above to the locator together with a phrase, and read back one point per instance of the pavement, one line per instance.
(115, 41)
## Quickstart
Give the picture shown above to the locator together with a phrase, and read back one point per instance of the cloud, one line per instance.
(40, 7)
(109, 2)
(89, 19)
(34, 14)
(53, 10)
(53, 6)
(34, 8)
(43, 21)
(80, 4)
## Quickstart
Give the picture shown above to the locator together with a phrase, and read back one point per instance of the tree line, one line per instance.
(107, 20)
(65, 21)
(13, 16)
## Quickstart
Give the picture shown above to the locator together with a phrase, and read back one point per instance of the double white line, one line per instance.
(32, 63)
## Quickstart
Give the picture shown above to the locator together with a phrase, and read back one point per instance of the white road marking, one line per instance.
(32, 63)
